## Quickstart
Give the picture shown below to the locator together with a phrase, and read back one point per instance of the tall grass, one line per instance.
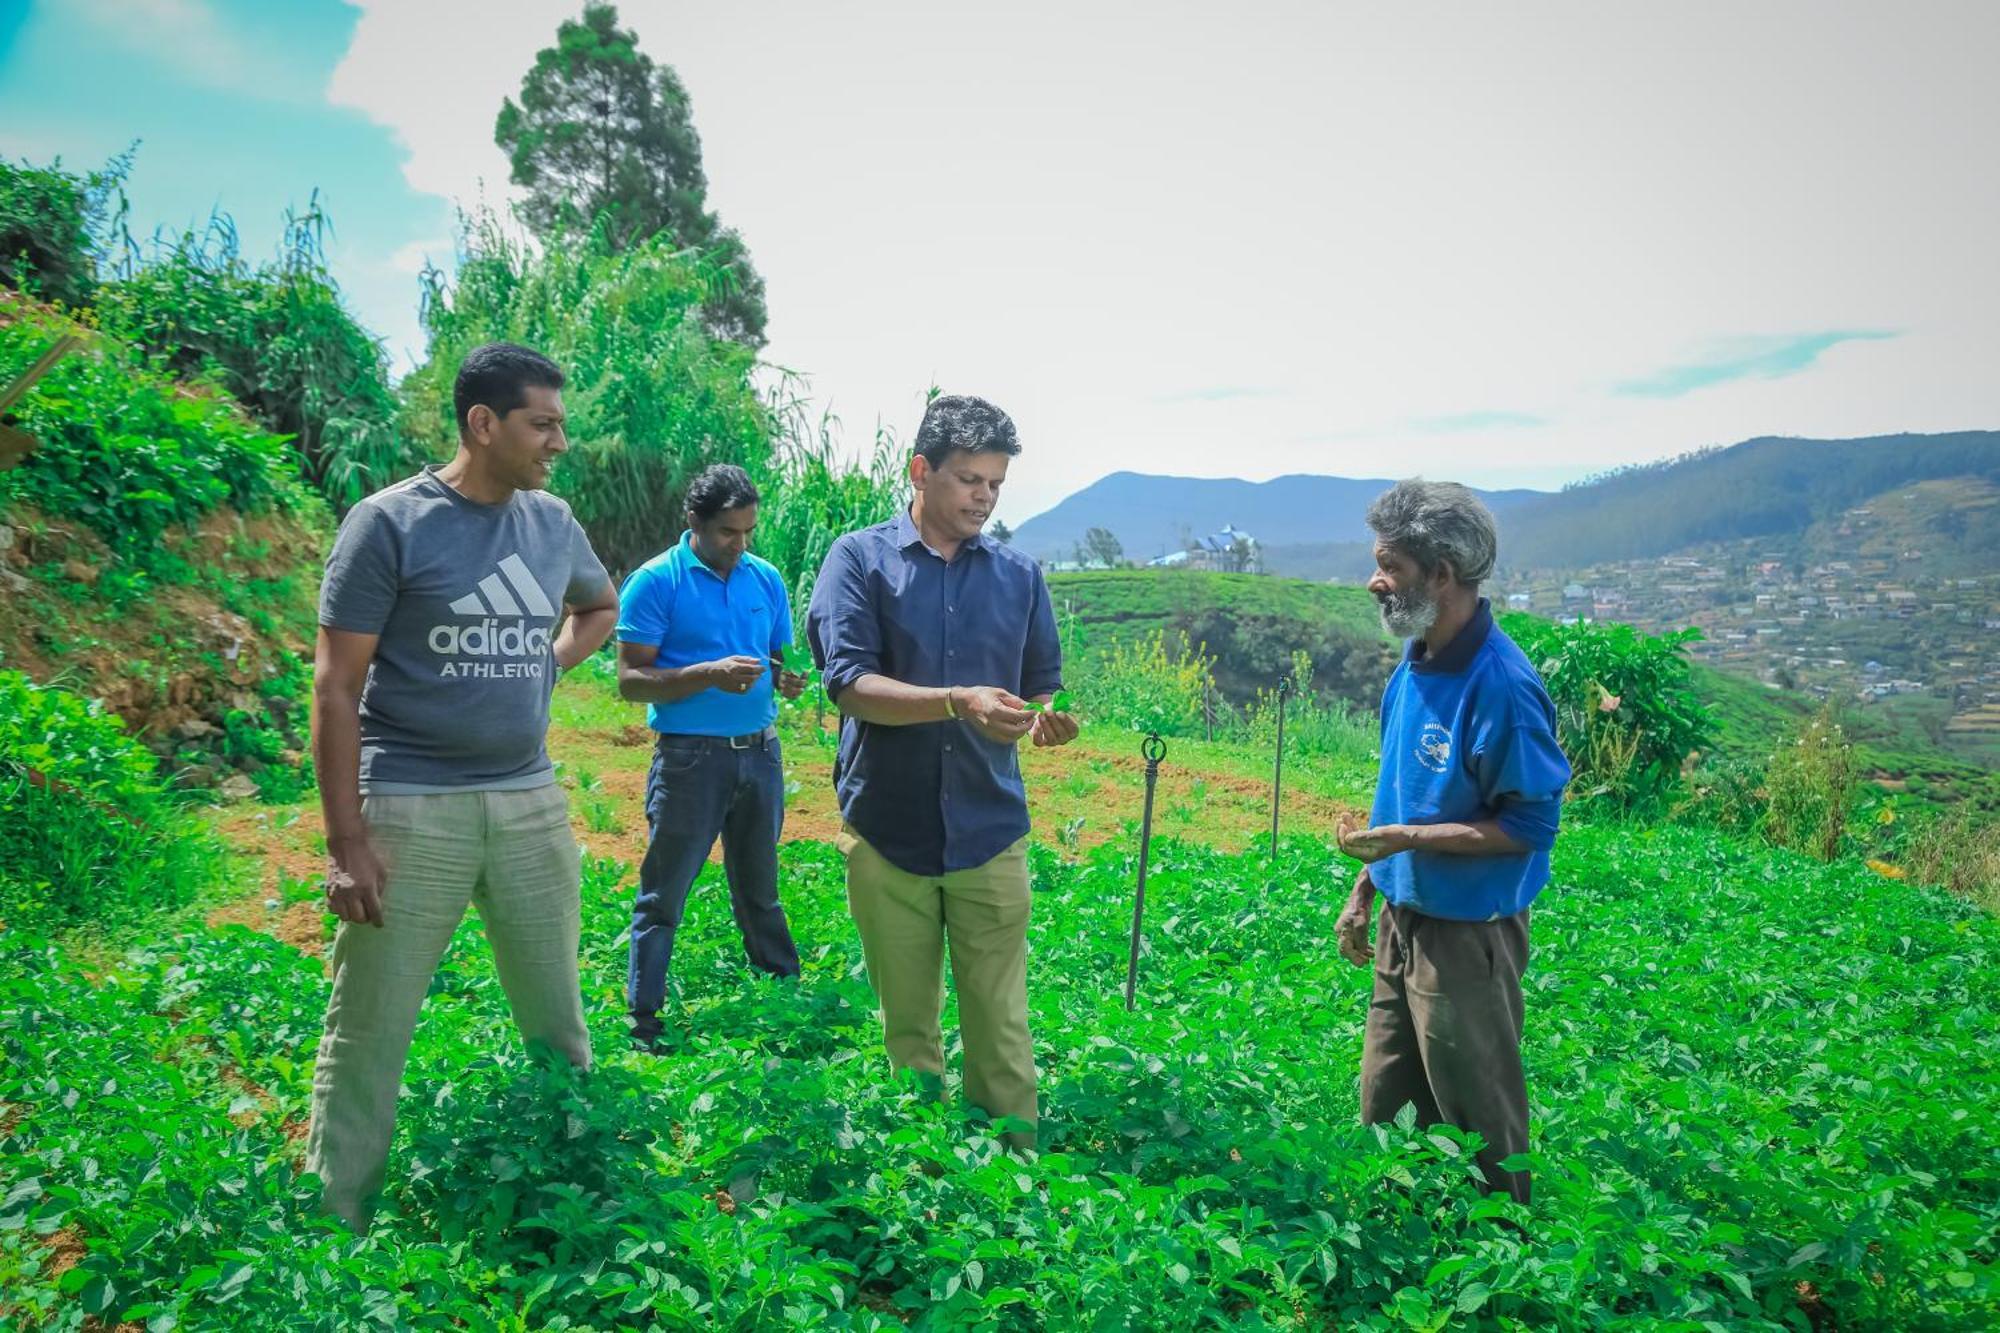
(651, 397)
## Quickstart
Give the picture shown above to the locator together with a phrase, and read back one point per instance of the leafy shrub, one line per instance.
(126, 451)
(1811, 788)
(1723, 792)
(51, 222)
(277, 337)
(1141, 684)
(1626, 713)
(86, 832)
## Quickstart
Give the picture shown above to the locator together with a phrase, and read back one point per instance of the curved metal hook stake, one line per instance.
(1153, 749)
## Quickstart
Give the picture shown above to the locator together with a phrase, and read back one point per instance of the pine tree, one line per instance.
(603, 135)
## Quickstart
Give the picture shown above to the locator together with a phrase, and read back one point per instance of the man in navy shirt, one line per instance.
(701, 627)
(1466, 809)
(933, 640)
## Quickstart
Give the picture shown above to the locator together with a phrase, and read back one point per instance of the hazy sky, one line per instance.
(1507, 243)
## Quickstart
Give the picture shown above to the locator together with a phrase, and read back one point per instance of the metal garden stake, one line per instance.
(1278, 764)
(1154, 749)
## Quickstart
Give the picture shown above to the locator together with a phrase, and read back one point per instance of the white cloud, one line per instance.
(435, 74)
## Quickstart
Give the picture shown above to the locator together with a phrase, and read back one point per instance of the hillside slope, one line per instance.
(1757, 488)
(157, 552)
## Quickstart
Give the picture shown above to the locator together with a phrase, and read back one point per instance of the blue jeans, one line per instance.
(700, 787)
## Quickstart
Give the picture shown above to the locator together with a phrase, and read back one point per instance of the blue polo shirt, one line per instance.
(1469, 734)
(937, 796)
(692, 614)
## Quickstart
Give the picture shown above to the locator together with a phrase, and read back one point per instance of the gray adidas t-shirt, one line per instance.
(465, 597)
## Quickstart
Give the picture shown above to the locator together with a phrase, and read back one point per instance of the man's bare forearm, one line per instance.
(336, 747)
(583, 634)
(891, 703)
(664, 685)
(1483, 837)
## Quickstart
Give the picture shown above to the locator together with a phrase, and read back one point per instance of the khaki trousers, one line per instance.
(511, 852)
(1444, 1031)
(906, 922)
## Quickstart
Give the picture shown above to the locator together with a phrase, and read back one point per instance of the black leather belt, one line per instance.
(750, 742)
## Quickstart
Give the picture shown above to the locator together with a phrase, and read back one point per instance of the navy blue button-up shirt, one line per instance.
(936, 796)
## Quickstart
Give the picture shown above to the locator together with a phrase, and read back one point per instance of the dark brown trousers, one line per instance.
(1444, 1031)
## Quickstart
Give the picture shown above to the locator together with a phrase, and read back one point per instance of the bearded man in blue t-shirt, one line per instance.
(1466, 811)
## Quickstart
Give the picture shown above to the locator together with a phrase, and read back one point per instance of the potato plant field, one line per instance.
(1766, 1096)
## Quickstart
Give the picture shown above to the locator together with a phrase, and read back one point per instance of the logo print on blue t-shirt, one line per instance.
(1434, 747)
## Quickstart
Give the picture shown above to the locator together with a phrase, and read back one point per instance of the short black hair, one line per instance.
(954, 421)
(720, 486)
(498, 375)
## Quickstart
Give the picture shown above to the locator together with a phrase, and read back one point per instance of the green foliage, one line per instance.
(1202, 1167)
(604, 139)
(276, 337)
(1142, 684)
(651, 397)
(127, 452)
(52, 223)
(1626, 713)
(1317, 725)
(811, 496)
(1811, 788)
(86, 832)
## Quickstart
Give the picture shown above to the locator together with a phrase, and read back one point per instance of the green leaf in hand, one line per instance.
(796, 659)
(1059, 704)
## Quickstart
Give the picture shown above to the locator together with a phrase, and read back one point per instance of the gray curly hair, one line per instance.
(1438, 522)
(958, 421)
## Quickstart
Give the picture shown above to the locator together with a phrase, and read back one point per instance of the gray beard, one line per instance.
(1408, 615)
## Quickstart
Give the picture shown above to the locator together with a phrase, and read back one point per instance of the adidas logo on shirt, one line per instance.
(509, 591)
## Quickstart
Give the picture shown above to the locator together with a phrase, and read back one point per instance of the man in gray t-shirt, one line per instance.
(441, 635)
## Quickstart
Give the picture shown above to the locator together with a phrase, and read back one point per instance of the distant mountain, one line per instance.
(1762, 487)
(1311, 527)
(1153, 515)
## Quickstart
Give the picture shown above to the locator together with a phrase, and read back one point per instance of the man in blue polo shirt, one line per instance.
(1466, 810)
(701, 628)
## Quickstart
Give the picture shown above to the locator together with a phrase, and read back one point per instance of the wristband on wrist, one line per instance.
(950, 710)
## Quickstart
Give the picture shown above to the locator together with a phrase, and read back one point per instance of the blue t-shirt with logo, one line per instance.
(690, 613)
(1469, 734)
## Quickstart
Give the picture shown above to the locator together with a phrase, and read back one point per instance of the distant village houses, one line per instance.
(1231, 550)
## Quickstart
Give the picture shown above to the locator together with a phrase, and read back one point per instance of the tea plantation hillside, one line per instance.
(1765, 1097)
